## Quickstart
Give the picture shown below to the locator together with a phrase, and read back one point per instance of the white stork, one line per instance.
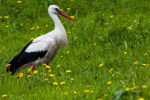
(42, 49)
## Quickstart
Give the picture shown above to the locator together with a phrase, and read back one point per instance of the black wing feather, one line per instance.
(24, 58)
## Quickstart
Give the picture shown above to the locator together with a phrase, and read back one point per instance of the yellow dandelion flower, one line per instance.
(6, 17)
(62, 83)
(37, 27)
(106, 23)
(73, 28)
(4, 95)
(0, 17)
(144, 86)
(72, 16)
(7, 65)
(86, 91)
(41, 73)
(6, 26)
(19, 1)
(143, 65)
(58, 66)
(125, 53)
(48, 67)
(135, 21)
(49, 70)
(51, 75)
(101, 65)
(46, 25)
(35, 72)
(140, 99)
(135, 63)
(29, 75)
(94, 44)
(61, 9)
(55, 83)
(76, 37)
(44, 64)
(92, 21)
(32, 38)
(32, 28)
(65, 93)
(109, 83)
(61, 56)
(111, 16)
(145, 54)
(68, 32)
(92, 91)
(68, 71)
(74, 92)
(68, 8)
(127, 89)
(20, 75)
(129, 28)
(111, 70)
(72, 79)
(68, 52)
(99, 99)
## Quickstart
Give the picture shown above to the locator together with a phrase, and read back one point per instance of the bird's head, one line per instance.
(53, 9)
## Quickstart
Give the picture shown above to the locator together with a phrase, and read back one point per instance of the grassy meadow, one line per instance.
(107, 58)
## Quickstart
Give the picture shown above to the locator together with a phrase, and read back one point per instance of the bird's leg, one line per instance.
(32, 69)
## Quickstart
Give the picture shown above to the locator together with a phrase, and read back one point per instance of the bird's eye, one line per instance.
(56, 9)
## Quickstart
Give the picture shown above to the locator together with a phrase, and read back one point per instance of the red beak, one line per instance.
(65, 15)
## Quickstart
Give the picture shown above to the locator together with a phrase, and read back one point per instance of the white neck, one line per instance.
(57, 22)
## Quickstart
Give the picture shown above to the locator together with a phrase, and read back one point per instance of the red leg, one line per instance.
(32, 69)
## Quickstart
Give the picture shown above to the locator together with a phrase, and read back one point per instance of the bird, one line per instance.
(43, 49)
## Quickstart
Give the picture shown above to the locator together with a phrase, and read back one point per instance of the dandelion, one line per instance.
(55, 83)
(7, 65)
(127, 89)
(6, 26)
(101, 65)
(109, 83)
(68, 8)
(51, 75)
(4, 95)
(61, 56)
(32, 38)
(92, 21)
(94, 44)
(133, 88)
(111, 16)
(145, 54)
(68, 52)
(143, 65)
(0, 17)
(41, 73)
(106, 24)
(72, 79)
(20, 75)
(37, 27)
(86, 91)
(48, 67)
(135, 63)
(111, 70)
(62, 83)
(68, 32)
(65, 93)
(46, 25)
(68, 71)
(32, 28)
(74, 92)
(58, 66)
(19, 1)
(129, 28)
(76, 37)
(72, 16)
(6, 17)
(49, 70)
(92, 91)
(125, 53)
(135, 21)
(35, 72)
(140, 99)
(144, 86)
(44, 64)
(29, 75)
(61, 9)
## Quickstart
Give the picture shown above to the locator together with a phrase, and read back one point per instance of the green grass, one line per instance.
(95, 39)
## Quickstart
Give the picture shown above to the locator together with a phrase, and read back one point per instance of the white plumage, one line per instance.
(42, 49)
